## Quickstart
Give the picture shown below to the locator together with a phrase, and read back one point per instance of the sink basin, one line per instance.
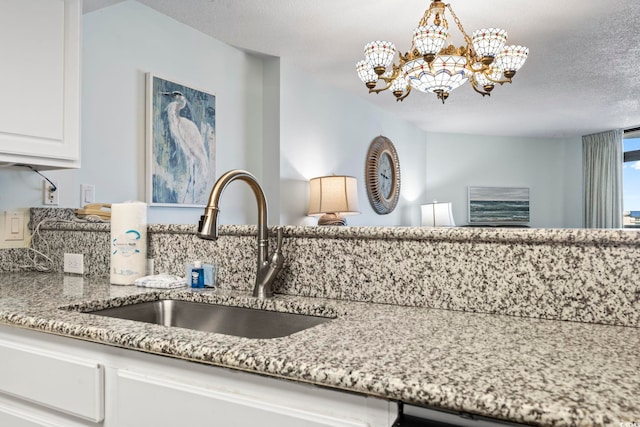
(229, 320)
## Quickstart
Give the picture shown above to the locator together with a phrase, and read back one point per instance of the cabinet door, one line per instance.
(40, 75)
(54, 380)
(154, 401)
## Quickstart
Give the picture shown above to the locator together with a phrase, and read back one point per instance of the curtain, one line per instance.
(602, 161)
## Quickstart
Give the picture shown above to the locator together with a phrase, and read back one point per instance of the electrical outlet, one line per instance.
(74, 263)
(49, 196)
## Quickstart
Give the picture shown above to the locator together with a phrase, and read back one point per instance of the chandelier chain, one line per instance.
(467, 39)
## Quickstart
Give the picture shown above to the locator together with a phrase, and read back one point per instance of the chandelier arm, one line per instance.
(388, 80)
(382, 89)
(506, 80)
(405, 95)
(483, 93)
(408, 56)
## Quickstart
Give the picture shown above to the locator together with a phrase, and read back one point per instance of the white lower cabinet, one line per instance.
(48, 380)
(52, 379)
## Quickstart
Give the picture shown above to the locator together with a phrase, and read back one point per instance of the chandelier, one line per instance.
(430, 66)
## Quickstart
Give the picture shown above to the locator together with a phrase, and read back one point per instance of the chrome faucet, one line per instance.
(268, 267)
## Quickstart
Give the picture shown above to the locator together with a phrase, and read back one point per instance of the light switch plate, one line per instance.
(87, 194)
(13, 226)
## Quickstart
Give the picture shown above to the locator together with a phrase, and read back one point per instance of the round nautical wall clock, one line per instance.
(382, 175)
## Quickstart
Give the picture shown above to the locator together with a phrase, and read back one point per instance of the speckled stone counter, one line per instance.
(565, 274)
(542, 372)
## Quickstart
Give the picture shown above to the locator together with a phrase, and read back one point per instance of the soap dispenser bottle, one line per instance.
(197, 275)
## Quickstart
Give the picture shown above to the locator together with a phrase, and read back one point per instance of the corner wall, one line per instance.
(324, 131)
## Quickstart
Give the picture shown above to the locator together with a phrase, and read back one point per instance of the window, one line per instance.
(631, 179)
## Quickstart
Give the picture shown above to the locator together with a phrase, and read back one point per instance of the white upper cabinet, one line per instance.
(40, 79)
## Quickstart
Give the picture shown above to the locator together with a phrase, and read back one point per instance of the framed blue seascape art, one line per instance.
(498, 205)
(181, 143)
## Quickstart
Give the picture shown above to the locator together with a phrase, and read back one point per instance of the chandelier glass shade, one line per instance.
(428, 40)
(511, 59)
(366, 73)
(380, 55)
(433, 67)
(399, 85)
(441, 76)
(487, 80)
(488, 42)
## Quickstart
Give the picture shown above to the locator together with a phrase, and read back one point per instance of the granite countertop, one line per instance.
(534, 371)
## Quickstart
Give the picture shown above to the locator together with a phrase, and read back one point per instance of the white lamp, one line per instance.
(437, 215)
(331, 197)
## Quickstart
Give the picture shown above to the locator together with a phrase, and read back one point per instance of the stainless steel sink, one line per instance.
(230, 320)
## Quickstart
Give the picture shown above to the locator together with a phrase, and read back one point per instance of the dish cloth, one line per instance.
(163, 280)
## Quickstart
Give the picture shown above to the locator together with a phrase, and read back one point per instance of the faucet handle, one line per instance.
(277, 258)
(270, 269)
(279, 235)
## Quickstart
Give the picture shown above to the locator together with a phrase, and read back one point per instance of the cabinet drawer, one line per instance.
(57, 381)
(159, 402)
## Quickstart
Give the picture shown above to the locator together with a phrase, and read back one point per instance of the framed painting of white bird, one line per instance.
(181, 143)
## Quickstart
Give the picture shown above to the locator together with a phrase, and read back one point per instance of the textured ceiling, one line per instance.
(581, 76)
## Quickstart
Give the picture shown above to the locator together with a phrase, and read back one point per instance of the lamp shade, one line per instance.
(333, 194)
(437, 215)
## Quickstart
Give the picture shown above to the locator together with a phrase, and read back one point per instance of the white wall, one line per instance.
(282, 125)
(324, 131)
(550, 168)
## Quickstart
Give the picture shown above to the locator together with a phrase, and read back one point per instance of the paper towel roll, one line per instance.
(128, 242)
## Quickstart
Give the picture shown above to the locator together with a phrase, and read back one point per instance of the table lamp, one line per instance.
(437, 215)
(333, 197)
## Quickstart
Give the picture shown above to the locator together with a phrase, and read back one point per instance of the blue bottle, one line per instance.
(197, 275)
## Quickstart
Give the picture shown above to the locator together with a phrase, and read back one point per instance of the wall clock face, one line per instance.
(382, 174)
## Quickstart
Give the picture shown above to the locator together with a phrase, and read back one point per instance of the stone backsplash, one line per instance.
(565, 274)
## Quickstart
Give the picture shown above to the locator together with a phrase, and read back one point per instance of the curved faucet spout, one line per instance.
(208, 228)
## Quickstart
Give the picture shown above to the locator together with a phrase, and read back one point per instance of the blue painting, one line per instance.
(181, 143)
(498, 205)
